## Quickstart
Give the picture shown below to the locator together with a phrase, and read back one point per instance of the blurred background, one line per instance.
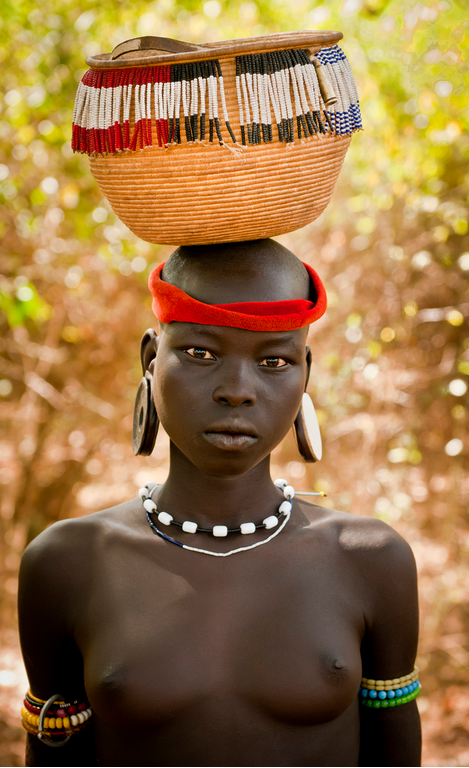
(391, 357)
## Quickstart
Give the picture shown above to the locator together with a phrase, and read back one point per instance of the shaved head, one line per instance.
(256, 270)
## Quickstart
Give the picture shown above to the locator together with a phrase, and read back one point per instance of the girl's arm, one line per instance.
(50, 592)
(390, 736)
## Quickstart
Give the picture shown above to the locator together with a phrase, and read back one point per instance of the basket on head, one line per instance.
(228, 141)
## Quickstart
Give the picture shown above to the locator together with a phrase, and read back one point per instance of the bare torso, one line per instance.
(248, 660)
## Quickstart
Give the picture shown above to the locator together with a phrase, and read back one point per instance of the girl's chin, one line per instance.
(225, 462)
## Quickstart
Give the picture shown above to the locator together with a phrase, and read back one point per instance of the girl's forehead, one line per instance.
(177, 333)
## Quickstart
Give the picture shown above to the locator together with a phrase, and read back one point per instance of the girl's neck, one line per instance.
(191, 494)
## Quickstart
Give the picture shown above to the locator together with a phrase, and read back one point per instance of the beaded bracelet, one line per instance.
(54, 717)
(389, 693)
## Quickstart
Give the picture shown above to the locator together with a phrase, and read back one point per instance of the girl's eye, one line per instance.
(274, 362)
(200, 353)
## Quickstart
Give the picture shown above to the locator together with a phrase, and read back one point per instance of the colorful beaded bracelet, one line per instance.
(389, 693)
(58, 709)
(54, 717)
(376, 703)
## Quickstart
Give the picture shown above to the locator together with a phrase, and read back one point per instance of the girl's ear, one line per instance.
(148, 348)
(308, 364)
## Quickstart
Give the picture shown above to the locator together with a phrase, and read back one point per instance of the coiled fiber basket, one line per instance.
(202, 192)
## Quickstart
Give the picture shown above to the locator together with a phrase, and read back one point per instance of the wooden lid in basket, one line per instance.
(146, 51)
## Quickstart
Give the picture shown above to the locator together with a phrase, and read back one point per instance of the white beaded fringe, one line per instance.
(284, 84)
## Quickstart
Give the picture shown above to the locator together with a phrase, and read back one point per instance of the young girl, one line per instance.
(295, 644)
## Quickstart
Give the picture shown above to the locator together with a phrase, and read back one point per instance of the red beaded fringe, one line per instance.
(104, 96)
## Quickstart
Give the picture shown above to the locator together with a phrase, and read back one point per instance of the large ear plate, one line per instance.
(145, 422)
(308, 435)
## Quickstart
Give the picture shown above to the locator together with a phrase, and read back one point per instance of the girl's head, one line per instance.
(227, 396)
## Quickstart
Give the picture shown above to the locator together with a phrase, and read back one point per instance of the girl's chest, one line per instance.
(159, 644)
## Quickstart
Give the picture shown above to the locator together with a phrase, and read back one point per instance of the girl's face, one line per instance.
(225, 396)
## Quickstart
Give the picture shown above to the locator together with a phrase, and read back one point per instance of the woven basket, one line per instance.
(201, 192)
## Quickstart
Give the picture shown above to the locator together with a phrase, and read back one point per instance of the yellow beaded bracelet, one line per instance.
(389, 685)
(65, 719)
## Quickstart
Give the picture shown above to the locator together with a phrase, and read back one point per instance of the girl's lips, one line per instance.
(230, 441)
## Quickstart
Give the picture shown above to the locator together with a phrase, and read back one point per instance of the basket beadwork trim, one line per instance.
(183, 102)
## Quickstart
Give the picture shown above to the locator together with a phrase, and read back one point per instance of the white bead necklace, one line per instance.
(219, 530)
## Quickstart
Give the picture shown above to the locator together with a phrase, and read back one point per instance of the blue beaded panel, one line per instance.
(282, 88)
(347, 118)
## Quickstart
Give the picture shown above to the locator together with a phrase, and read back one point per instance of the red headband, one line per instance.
(172, 304)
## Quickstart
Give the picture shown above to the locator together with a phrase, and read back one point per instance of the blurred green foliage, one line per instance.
(391, 356)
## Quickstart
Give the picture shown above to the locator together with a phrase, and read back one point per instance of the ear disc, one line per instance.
(145, 422)
(307, 431)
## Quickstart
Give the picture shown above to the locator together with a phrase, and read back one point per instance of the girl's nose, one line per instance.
(235, 386)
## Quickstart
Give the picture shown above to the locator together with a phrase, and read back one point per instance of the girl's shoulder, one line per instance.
(67, 548)
(367, 542)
